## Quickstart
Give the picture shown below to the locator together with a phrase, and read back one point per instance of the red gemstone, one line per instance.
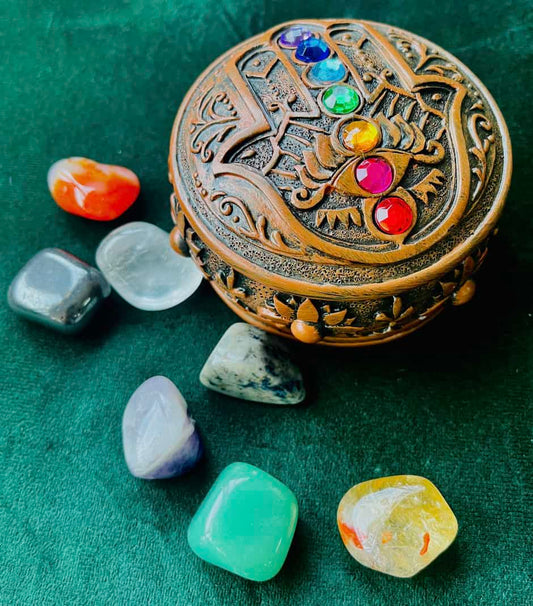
(374, 175)
(393, 216)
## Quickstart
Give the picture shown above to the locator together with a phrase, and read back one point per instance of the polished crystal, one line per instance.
(246, 523)
(397, 525)
(159, 438)
(141, 266)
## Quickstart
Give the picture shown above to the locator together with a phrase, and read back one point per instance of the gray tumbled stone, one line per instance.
(251, 364)
(58, 290)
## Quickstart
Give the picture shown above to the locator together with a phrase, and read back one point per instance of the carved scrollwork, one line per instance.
(216, 117)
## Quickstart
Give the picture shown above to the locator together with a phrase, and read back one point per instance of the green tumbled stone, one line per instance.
(341, 99)
(246, 523)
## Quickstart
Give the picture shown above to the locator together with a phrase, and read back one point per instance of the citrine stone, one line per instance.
(374, 175)
(246, 523)
(327, 71)
(341, 99)
(360, 136)
(393, 216)
(397, 525)
(83, 187)
(312, 50)
(295, 34)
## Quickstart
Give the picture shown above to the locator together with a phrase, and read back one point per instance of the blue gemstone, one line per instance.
(328, 71)
(312, 50)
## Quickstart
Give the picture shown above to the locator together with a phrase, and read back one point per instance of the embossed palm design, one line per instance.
(284, 177)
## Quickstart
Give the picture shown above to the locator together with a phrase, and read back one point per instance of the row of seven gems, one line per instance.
(393, 215)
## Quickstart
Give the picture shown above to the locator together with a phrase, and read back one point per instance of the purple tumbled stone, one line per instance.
(159, 438)
(294, 35)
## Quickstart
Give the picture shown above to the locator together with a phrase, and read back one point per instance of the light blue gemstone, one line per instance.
(328, 71)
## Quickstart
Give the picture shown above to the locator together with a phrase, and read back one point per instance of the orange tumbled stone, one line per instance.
(83, 187)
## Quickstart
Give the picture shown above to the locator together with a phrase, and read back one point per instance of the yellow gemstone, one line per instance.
(397, 525)
(360, 136)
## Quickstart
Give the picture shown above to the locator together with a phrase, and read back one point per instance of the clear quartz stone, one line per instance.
(139, 263)
(159, 438)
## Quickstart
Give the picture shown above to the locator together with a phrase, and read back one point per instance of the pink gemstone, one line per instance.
(374, 175)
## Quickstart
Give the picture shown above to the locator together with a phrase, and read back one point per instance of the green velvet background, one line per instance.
(453, 403)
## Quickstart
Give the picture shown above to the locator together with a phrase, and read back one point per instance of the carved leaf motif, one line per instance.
(447, 288)
(396, 307)
(332, 319)
(307, 312)
(283, 309)
(428, 185)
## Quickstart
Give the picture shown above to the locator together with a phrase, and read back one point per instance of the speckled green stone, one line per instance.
(246, 523)
(341, 99)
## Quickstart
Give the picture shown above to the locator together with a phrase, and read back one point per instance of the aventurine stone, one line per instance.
(397, 525)
(159, 438)
(58, 290)
(251, 364)
(141, 266)
(246, 523)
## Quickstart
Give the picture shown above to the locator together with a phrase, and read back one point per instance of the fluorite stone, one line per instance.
(312, 50)
(159, 438)
(341, 99)
(251, 364)
(393, 215)
(141, 266)
(246, 523)
(374, 175)
(360, 136)
(295, 34)
(101, 192)
(397, 525)
(327, 71)
(58, 290)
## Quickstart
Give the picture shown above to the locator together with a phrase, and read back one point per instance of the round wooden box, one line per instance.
(337, 181)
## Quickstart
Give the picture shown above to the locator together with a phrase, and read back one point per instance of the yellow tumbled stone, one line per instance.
(360, 136)
(397, 525)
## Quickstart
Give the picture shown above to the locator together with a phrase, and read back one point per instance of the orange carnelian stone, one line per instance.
(92, 190)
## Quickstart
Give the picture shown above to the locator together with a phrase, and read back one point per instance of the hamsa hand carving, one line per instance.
(364, 160)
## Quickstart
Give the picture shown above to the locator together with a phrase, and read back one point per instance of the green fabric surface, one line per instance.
(452, 403)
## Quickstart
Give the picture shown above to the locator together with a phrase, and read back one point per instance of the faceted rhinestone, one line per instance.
(341, 99)
(246, 523)
(159, 438)
(374, 175)
(139, 263)
(360, 136)
(312, 50)
(292, 37)
(58, 290)
(393, 216)
(396, 525)
(327, 71)
(83, 187)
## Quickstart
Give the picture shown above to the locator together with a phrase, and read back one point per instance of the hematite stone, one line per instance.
(251, 364)
(58, 290)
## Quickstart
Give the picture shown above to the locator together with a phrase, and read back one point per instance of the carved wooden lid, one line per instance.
(344, 159)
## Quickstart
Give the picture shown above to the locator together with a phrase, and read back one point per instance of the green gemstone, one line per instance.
(246, 523)
(341, 99)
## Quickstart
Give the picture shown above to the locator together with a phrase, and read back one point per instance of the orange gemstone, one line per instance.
(83, 187)
(360, 136)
